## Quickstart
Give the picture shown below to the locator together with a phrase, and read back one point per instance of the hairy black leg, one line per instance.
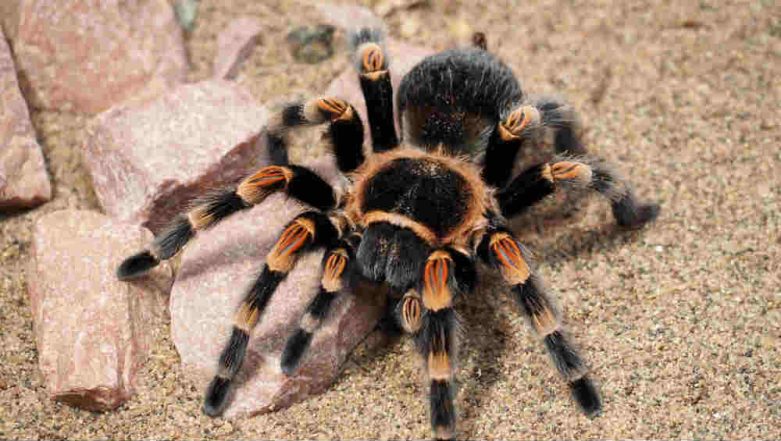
(409, 310)
(372, 64)
(563, 120)
(539, 181)
(337, 263)
(344, 134)
(519, 125)
(308, 230)
(502, 251)
(431, 318)
(298, 182)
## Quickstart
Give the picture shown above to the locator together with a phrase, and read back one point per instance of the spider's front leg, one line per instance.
(526, 124)
(500, 249)
(305, 232)
(337, 265)
(432, 319)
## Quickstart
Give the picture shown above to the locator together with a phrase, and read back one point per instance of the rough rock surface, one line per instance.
(84, 56)
(349, 17)
(149, 160)
(234, 45)
(216, 270)
(403, 57)
(91, 330)
(24, 181)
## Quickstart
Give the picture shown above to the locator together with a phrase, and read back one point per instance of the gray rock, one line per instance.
(186, 13)
(311, 44)
(148, 160)
(92, 332)
(24, 181)
(218, 266)
(86, 55)
(234, 45)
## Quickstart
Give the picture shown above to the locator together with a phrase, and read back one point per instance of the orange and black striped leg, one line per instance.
(305, 232)
(372, 64)
(344, 135)
(436, 335)
(336, 265)
(299, 182)
(502, 251)
(539, 181)
(520, 124)
(449, 266)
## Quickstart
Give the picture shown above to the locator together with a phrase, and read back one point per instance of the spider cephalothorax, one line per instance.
(414, 215)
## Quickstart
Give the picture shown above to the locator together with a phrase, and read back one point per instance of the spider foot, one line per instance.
(521, 119)
(587, 397)
(216, 396)
(137, 265)
(372, 59)
(335, 109)
(632, 215)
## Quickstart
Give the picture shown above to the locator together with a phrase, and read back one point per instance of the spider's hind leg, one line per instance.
(371, 61)
(587, 172)
(527, 123)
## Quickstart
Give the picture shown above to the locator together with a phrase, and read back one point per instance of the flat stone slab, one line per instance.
(86, 55)
(92, 332)
(24, 181)
(149, 160)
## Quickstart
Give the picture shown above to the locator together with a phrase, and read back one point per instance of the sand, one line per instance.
(679, 322)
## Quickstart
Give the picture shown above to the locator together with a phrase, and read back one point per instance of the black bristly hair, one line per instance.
(413, 216)
(455, 97)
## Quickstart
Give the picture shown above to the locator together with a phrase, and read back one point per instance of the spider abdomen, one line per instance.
(454, 99)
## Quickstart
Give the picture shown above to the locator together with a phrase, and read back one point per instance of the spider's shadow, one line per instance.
(485, 335)
(555, 237)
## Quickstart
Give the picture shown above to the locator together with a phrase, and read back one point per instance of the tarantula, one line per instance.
(414, 215)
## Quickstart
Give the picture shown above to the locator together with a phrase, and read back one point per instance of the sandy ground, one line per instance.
(680, 322)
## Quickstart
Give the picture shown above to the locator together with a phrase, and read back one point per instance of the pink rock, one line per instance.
(149, 160)
(85, 55)
(403, 57)
(234, 45)
(91, 330)
(216, 270)
(24, 181)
